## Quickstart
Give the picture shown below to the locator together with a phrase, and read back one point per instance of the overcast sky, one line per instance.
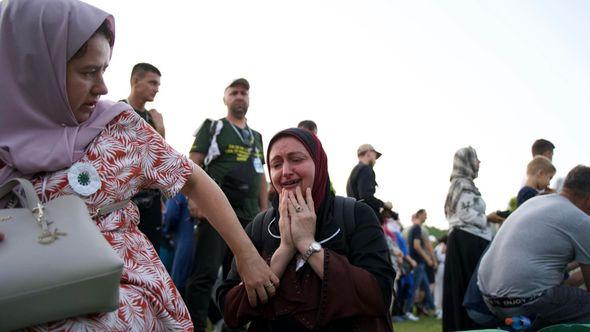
(417, 79)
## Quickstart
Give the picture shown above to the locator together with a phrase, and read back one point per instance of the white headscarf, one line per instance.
(465, 169)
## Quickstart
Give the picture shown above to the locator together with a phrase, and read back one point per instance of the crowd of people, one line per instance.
(209, 239)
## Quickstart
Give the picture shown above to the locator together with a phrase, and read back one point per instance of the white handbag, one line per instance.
(54, 262)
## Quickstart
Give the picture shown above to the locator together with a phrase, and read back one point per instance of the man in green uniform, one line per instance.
(232, 154)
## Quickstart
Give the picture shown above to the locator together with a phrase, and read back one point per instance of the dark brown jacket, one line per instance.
(354, 294)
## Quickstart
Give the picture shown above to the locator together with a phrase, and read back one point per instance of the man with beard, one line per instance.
(145, 83)
(361, 182)
(232, 154)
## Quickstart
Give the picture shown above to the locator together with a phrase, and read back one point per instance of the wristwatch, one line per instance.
(313, 248)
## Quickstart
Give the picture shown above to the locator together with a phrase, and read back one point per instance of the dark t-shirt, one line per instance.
(415, 233)
(142, 113)
(525, 194)
(234, 169)
(361, 185)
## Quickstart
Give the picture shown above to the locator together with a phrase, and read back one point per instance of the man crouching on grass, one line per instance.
(523, 271)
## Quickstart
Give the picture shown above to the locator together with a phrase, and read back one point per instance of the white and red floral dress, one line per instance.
(129, 156)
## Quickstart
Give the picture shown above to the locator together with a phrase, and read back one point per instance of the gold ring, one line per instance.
(298, 208)
(269, 285)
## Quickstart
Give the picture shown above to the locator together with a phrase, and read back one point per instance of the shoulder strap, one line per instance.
(28, 198)
(339, 210)
(103, 211)
(268, 217)
(31, 201)
(349, 220)
(212, 127)
(213, 151)
(344, 210)
(259, 226)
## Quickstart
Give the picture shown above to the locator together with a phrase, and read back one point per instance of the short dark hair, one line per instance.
(142, 68)
(308, 124)
(419, 212)
(577, 181)
(105, 30)
(541, 146)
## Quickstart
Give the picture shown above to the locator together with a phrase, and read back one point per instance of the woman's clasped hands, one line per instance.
(297, 223)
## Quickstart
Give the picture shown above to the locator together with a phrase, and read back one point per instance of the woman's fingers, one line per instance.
(270, 289)
(285, 220)
(252, 297)
(261, 292)
(299, 198)
(274, 280)
(290, 204)
(310, 203)
(299, 207)
(255, 274)
(283, 204)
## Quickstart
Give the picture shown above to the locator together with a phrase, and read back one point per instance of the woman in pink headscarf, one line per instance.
(329, 252)
(55, 131)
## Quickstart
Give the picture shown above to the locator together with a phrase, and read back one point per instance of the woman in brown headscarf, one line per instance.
(335, 274)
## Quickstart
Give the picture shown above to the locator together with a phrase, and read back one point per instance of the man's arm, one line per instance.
(366, 187)
(411, 261)
(263, 196)
(158, 122)
(495, 218)
(198, 158)
(572, 265)
(421, 252)
(430, 250)
(586, 275)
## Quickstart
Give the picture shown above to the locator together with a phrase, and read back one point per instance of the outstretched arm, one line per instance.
(216, 208)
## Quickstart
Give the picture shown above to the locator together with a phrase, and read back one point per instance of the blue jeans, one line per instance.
(420, 280)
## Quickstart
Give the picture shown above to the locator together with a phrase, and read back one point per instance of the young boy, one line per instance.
(540, 171)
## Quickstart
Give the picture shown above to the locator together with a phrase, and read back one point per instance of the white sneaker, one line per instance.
(410, 316)
(438, 314)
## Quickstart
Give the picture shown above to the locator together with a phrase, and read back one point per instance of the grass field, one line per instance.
(425, 324)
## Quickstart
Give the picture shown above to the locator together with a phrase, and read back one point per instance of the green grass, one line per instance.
(425, 324)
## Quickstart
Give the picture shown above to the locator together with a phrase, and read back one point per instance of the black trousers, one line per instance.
(150, 217)
(210, 252)
(559, 305)
(463, 253)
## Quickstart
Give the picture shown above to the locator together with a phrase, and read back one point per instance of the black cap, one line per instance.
(239, 81)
